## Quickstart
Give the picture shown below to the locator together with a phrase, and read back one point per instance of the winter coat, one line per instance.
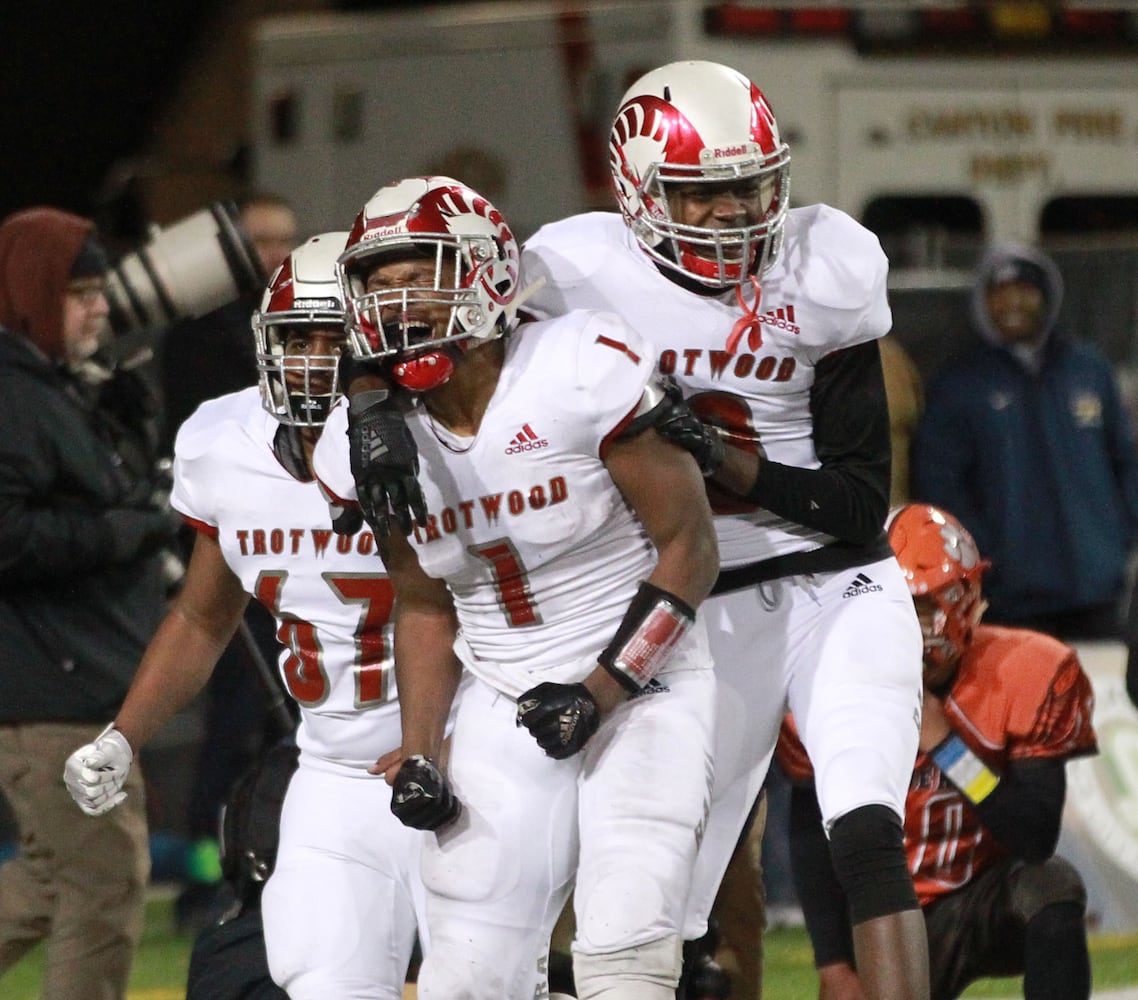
(1036, 455)
(81, 587)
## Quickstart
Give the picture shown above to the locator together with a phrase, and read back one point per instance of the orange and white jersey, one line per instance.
(825, 292)
(329, 593)
(540, 550)
(1018, 695)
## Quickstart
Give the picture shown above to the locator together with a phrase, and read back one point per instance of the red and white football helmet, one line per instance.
(699, 122)
(443, 220)
(940, 560)
(299, 389)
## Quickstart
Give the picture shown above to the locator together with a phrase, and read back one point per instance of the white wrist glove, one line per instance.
(94, 774)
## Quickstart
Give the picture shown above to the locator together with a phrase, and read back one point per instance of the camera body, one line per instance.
(183, 271)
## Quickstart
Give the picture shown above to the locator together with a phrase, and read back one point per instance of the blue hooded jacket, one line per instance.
(1032, 449)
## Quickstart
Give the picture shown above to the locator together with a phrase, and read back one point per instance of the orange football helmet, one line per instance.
(940, 560)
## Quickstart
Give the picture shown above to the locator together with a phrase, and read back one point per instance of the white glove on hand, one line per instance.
(94, 774)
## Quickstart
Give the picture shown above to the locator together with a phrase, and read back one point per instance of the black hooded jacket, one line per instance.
(80, 582)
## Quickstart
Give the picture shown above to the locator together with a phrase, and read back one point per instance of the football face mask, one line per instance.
(430, 268)
(688, 136)
(299, 334)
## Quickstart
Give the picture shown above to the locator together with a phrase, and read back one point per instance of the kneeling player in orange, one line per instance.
(1004, 709)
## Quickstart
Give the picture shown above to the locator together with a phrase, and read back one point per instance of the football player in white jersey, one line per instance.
(559, 553)
(768, 318)
(340, 908)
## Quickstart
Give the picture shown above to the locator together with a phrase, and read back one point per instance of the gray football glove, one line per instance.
(95, 773)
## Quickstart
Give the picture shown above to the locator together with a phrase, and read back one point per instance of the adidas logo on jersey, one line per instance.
(862, 584)
(526, 440)
(781, 318)
(652, 687)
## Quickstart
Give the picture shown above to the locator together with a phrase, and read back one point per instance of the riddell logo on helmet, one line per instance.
(729, 151)
(526, 440)
(377, 232)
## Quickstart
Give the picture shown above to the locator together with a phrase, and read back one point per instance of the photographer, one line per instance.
(80, 593)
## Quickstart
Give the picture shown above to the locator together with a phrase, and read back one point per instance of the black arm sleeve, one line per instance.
(1025, 809)
(823, 903)
(848, 497)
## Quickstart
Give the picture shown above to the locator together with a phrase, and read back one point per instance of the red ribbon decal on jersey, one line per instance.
(749, 322)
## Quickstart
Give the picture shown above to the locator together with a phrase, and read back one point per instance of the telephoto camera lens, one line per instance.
(184, 271)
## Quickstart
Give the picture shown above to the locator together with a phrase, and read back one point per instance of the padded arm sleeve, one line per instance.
(848, 497)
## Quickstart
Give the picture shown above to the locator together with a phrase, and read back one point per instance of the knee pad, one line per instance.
(619, 907)
(648, 971)
(1040, 885)
(867, 846)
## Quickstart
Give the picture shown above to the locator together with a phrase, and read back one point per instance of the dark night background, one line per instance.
(80, 86)
(83, 85)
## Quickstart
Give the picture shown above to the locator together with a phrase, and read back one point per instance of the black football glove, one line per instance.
(679, 425)
(421, 796)
(346, 520)
(561, 717)
(385, 463)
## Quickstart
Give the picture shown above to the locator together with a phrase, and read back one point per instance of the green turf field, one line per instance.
(160, 970)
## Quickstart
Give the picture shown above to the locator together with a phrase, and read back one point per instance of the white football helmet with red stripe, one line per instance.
(300, 388)
(699, 122)
(476, 277)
